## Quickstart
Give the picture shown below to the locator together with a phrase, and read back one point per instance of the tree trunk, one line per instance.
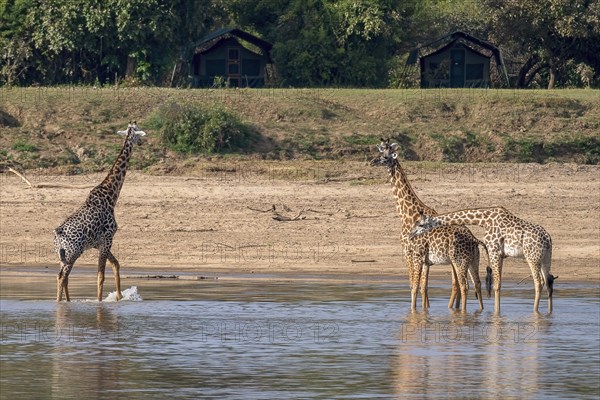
(130, 70)
(522, 81)
(552, 77)
(533, 73)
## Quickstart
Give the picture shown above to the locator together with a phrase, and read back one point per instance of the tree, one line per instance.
(326, 42)
(83, 40)
(547, 34)
(316, 42)
(15, 43)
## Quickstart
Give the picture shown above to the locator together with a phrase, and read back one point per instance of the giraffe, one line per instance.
(456, 245)
(506, 235)
(94, 225)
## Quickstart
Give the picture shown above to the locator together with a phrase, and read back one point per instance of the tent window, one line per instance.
(250, 67)
(474, 71)
(215, 68)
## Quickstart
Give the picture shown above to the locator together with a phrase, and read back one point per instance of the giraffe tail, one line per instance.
(550, 284)
(58, 232)
(489, 280)
(546, 275)
(61, 254)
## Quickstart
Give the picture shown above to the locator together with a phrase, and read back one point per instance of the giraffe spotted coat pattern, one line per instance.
(454, 245)
(94, 225)
(506, 235)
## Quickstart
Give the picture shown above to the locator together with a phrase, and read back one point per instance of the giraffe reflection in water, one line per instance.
(462, 355)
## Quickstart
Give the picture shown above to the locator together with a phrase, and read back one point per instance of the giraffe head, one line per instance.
(388, 154)
(133, 132)
(424, 224)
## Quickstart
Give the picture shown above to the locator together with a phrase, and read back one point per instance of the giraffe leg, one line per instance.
(59, 287)
(478, 292)
(62, 287)
(116, 267)
(538, 282)
(477, 284)
(424, 284)
(455, 297)
(539, 278)
(455, 293)
(459, 270)
(101, 269)
(458, 297)
(416, 279)
(496, 263)
(62, 283)
(464, 289)
(67, 289)
(414, 290)
(413, 277)
(538, 291)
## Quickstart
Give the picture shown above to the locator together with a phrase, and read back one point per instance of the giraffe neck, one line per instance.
(113, 182)
(408, 203)
(478, 216)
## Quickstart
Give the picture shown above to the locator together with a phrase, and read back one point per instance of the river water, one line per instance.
(282, 338)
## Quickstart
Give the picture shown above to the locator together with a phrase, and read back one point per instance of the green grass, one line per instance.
(362, 140)
(24, 146)
(456, 125)
(587, 149)
(454, 144)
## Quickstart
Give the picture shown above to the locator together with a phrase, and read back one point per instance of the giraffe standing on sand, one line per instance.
(454, 245)
(506, 235)
(94, 224)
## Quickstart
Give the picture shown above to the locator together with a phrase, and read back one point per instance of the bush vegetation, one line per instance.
(201, 129)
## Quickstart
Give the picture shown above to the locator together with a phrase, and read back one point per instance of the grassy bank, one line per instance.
(73, 128)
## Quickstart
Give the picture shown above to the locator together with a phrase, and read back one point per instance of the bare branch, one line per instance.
(20, 176)
(48, 185)
(272, 209)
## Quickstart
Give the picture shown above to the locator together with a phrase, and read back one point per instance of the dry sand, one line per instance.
(218, 221)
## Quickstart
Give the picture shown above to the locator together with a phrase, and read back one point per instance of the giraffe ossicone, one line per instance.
(133, 125)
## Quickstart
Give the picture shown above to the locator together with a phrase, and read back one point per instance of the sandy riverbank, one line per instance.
(222, 223)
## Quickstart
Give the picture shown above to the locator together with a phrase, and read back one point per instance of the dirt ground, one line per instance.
(219, 221)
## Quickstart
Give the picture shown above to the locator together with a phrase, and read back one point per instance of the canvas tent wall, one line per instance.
(458, 59)
(455, 65)
(232, 56)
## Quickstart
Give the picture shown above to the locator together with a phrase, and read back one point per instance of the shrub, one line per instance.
(198, 128)
(24, 146)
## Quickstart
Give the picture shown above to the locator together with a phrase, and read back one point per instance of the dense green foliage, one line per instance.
(361, 43)
(197, 128)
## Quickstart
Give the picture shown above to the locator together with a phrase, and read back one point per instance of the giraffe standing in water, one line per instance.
(455, 245)
(506, 235)
(94, 224)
